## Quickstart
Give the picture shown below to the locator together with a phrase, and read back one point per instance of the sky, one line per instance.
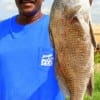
(8, 9)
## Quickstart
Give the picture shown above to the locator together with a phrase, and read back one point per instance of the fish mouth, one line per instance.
(28, 1)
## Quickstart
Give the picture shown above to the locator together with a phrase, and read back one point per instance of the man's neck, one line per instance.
(22, 19)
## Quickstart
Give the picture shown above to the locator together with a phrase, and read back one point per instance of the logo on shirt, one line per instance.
(47, 60)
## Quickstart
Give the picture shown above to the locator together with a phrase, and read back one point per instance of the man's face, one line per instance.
(28, 7)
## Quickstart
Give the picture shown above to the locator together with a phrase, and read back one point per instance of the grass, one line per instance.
(97, 58)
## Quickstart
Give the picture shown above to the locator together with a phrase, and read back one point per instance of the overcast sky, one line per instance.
(8, 8)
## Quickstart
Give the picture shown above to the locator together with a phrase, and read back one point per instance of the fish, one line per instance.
(73, 39)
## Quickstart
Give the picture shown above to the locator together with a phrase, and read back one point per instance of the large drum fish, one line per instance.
(72, 37)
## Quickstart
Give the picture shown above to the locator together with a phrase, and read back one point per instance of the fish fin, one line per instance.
(51, 38)
(92, 35)
(90, 86)
(71, 10)
(93, 41)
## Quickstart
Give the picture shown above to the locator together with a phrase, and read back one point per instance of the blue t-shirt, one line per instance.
(27, 62)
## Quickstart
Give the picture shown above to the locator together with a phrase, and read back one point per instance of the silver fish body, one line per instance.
(72, 37)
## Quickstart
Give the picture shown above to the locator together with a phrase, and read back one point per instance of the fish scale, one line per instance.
(73, 40)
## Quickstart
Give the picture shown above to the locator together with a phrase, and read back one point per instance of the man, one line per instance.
(26, 56)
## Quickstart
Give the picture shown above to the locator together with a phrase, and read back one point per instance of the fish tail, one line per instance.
(90, 86)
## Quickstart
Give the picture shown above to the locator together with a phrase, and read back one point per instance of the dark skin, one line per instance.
(29, 11)
(90, 2)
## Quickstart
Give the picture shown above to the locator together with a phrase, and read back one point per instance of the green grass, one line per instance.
(97, 58)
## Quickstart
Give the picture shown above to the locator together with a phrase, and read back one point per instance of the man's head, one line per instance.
(28, 7)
